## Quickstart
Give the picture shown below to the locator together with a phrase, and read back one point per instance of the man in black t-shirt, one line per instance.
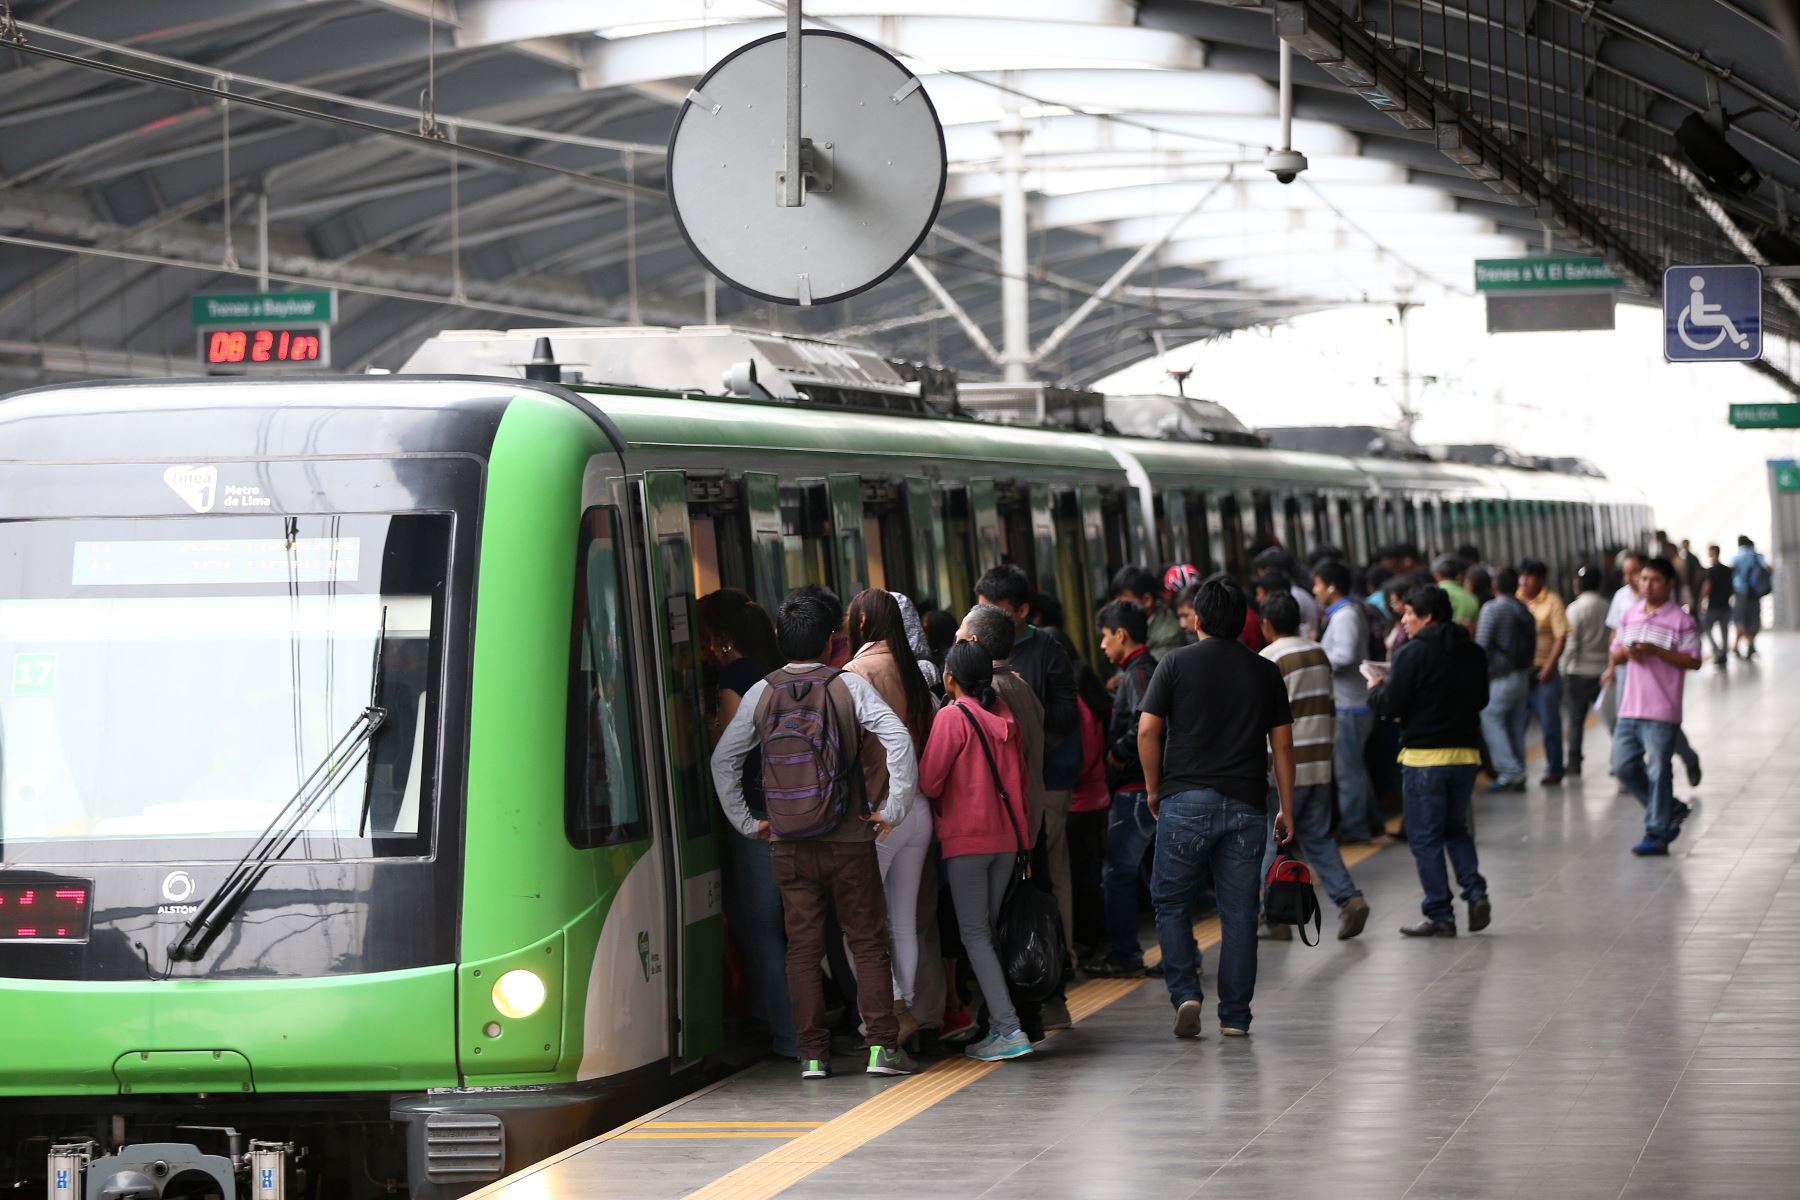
(1713, 605)
(1223, 709)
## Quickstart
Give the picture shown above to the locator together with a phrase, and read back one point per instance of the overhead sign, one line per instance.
(1544, 274)
(1712, 313)
(1787, 475)
(1777, 415)
(264, 308)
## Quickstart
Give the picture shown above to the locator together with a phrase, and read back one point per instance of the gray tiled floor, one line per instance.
(1627, 1028)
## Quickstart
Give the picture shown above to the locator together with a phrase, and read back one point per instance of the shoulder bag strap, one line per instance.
(994, 769)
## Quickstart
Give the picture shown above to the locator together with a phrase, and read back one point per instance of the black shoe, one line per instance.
(1426, 929)
(1481, 913)
(1574, 771)
(1551, 780)
(1694, 772)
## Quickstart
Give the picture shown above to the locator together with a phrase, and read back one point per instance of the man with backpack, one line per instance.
(807, 720)
(1751, 580)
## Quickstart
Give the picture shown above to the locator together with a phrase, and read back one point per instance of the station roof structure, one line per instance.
(497, 163)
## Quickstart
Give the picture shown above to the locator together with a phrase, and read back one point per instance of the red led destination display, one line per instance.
(254, 347)
(54, 910)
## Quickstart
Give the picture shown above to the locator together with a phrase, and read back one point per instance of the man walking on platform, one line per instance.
(1508, 633)
(1306, 672)
(1436, 689)
(1714, 603)
(1224, 711)
(1583, 660)
(835, 866)
(1544, 700)
(1661, 643)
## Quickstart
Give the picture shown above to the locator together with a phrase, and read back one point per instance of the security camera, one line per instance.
(1285, 165)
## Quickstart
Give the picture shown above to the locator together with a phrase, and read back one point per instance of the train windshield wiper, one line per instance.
(280, 833)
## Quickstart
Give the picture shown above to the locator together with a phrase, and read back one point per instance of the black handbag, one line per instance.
(1031, 944)
(1289, 899)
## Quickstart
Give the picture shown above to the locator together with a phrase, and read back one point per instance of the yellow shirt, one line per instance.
(1462, 757)
(1552, 623)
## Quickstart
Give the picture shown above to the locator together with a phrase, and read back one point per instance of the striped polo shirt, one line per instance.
(1307, 673)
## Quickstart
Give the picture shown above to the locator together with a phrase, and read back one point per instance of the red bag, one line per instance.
(1288, 896)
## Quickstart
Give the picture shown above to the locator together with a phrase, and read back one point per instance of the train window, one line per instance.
(1293, 534)
(1232, 534)
(603, 805)
(805, 532)
(1112, 513)
(1073, 586)
(1016, 544)
(1200, 547)
(1262, 504)
(959, 550)
(1358, 550)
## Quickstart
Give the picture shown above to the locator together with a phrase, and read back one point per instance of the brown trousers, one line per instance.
(845, 876)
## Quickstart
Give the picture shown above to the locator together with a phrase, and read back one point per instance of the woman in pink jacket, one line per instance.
(974, 771)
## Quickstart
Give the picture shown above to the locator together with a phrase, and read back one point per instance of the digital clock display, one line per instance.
(250, 347)
(49, 909)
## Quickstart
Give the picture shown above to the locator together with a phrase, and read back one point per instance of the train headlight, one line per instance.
(518, 994)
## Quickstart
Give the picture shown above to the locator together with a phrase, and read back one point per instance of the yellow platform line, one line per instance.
(650, 1135)
(732, 1124)
(787, 1165)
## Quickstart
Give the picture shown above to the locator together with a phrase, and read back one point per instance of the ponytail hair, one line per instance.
(973, 669)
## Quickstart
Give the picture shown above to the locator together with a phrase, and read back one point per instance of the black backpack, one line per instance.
(1289, 899)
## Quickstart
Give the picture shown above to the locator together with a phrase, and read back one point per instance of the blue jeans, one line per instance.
(1653, 785)
(1437, 824)
(1313, 840)
(1129, 831)
(1546, 708)
(1359, 816)
(754, 906)
(1503, 724)
(1197, 830)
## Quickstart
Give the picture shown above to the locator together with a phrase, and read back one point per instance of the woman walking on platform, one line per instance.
(974, 771)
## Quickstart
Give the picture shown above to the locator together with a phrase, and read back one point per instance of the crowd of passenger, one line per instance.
(905, 790)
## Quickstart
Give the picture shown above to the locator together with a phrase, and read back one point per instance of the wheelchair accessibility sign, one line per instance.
(1712, 314)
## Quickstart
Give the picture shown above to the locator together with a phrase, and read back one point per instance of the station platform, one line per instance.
(1625, 1028)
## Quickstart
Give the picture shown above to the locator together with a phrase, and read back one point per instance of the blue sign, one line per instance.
(1712, 314)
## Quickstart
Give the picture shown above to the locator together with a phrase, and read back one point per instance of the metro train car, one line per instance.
(356, 836)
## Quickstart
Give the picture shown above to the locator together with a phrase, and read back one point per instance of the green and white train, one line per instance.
(355, 832)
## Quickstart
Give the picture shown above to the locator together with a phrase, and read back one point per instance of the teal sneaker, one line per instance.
(995, 1047)
(885, 1061)
(814, 1068)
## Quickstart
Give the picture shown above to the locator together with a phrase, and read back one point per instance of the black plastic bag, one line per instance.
(1032, 950)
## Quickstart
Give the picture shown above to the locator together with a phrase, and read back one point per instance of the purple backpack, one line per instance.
(807, 772)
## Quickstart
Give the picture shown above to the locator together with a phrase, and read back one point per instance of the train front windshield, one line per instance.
(171, 683)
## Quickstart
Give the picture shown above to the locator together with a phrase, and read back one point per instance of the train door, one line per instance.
(850, 559)
(695, 957)
(1293, 528)
(616, 809)
(925, 532)
(959, 549)
(984, 519)
(1202, 535)
(762, 514)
